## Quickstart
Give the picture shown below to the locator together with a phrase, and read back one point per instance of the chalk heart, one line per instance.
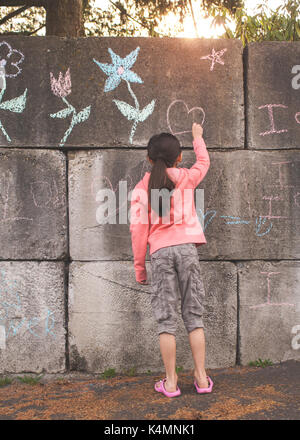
(188, 116)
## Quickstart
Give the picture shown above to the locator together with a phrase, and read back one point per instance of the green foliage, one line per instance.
(131, 372)
(283, 24)
(178, 369)
(30, 380)
(260, 363)
(5, 381)
(110, 372)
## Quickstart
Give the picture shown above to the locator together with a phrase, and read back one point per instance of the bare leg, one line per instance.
(168, 353)
(197, 343)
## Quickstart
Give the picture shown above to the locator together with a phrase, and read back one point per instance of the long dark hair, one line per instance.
(163, 149)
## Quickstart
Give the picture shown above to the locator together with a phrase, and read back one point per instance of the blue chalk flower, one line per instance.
(119, 69)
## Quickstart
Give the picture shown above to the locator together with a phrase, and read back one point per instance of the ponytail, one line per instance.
(163, 149)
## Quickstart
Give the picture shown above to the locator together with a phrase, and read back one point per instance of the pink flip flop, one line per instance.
(204, 390)
(160, 388)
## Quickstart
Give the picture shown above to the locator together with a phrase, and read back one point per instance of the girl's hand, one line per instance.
(197, 130)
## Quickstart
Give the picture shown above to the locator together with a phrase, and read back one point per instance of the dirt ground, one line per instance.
(239, 393)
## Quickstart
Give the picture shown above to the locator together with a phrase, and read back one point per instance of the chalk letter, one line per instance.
(270, 112)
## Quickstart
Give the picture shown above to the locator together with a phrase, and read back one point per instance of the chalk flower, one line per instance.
(10, 59)
(119, 69)
(61, 87)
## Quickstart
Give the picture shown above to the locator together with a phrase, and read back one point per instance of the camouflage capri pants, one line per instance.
(173, 267)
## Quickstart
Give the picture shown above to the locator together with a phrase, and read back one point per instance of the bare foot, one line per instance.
(171, 386)
(201, 380)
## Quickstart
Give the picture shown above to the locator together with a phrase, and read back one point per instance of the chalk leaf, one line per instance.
(146, 111)
(15, 105)
(62, 113)
(82, 115)
(127, 110)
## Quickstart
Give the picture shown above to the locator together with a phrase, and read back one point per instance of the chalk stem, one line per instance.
(4, 132)
(137, 106)
(68, 132)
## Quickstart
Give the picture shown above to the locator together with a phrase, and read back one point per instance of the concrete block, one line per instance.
(273, 111)
(90, 172)
(111, 323)
(269, 310)
(32, 204)
(173, 81)
(252, 213)
(31, 125)
(252, 205)
(32, 317)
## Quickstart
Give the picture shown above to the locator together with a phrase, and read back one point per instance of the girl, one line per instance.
(164, 216)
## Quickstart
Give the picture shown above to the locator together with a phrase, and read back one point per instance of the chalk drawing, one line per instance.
(269, 216)
(48, 329)
(296, 339)
(192, 110)
(7, 60)
(202, 218)
(295, 199)
(215, 57)
(10, 311)
(2, 338)
(118, 70)
(280, 178)
(271, 117)
(269, 303)
(235, 220)
(15, 105)
(259, 223)
(45, 193)
(61, 88)
(7, 186)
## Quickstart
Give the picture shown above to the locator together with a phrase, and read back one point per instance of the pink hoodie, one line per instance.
(186, 228)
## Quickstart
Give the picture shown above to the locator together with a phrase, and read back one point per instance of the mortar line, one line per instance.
(144, 148)
(238, 333)
(245, 89)
(67, 266)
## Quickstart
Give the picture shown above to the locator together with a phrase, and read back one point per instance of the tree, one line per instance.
(63, 17)
(127, 17)
(281, 24)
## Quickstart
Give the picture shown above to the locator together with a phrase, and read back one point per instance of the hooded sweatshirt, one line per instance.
(180, 224)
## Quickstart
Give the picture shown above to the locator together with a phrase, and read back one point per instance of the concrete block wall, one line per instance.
(76, 116)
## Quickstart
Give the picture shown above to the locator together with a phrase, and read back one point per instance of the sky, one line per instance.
(204, 25)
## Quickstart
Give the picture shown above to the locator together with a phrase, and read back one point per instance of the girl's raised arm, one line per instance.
(198, 171)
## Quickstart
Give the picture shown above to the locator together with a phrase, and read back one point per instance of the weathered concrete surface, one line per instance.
(90, 172)
(239, 393)
(273, 110)
(33, 209)
(269, 310)
(250, 214)
(171, 71)
(111, 323)
(32, 315)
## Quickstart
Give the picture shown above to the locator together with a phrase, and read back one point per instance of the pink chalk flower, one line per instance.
(61, 87)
